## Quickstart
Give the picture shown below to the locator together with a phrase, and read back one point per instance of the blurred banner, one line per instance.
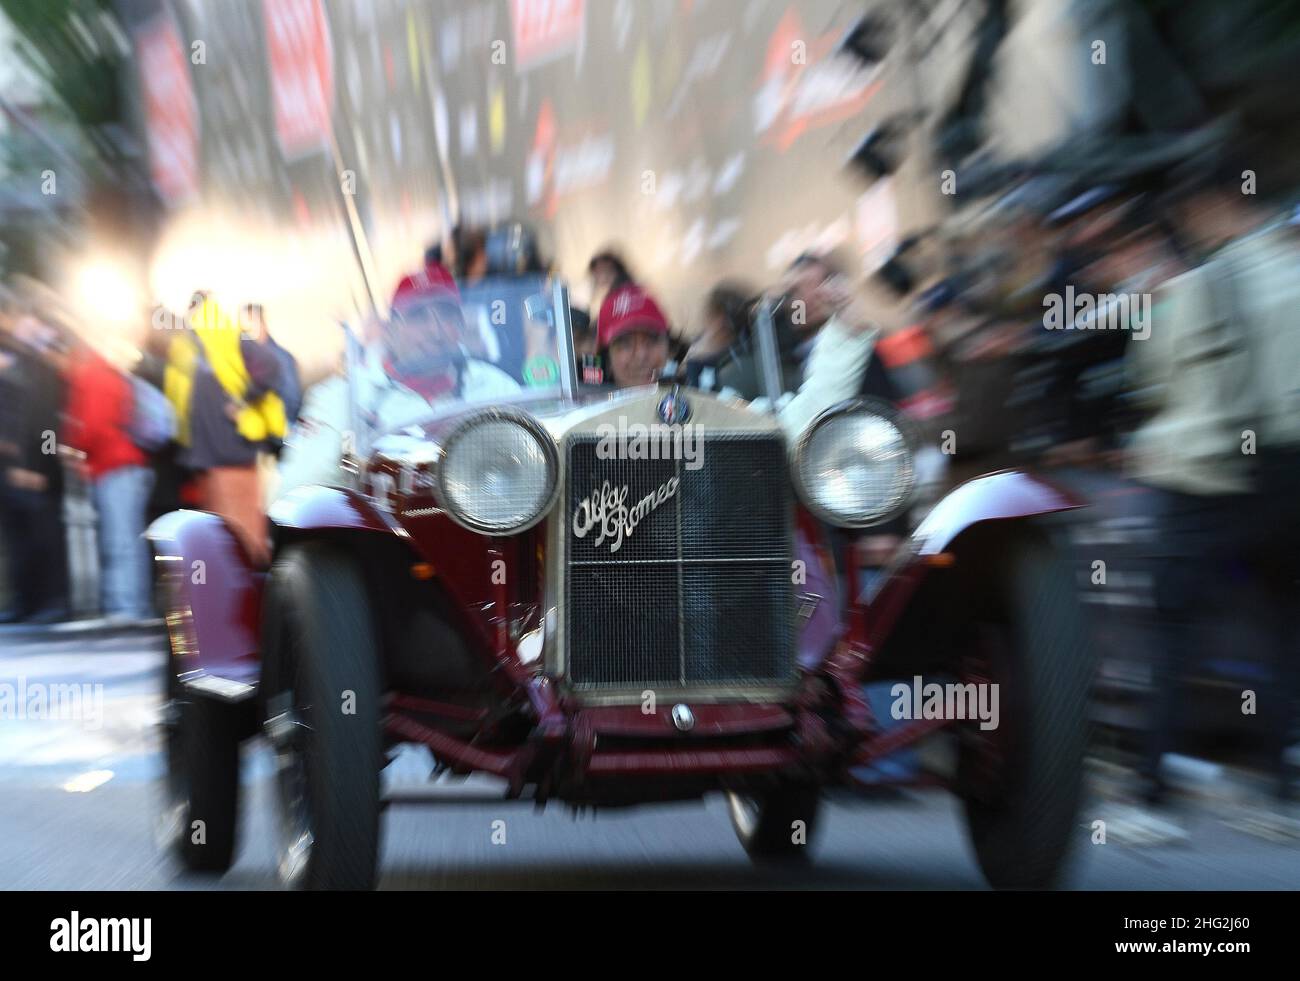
(678, 129)
(705, 137)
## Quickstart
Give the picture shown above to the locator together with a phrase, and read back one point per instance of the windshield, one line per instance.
(521, 326)
(481, 343)
(763, 360)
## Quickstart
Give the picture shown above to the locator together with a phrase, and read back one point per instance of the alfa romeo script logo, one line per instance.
(607, 510)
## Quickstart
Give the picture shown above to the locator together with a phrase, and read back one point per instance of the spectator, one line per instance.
(222, 386)
(99, 413)
(1213, 370)
(289, 384)
(1261, 280)
(31, 475)
(608, 272)
(173, 483)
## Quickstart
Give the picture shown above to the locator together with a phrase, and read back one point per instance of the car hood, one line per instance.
(421, 442)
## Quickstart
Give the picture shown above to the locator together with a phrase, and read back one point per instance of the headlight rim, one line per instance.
(869, 406)
(465, 425)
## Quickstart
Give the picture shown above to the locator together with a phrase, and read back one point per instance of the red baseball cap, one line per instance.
(432, 280)
(629, 308)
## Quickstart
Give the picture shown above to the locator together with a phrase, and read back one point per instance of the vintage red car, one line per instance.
(516, 587)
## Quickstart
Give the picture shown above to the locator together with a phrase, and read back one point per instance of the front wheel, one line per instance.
(1022, 782)
(201, 804)
(776, 824)
(322, 704)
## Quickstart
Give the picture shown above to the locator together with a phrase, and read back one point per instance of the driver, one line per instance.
(418, 359)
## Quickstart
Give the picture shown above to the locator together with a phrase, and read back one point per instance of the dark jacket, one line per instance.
(214, 439)
(289, 384)
(32, 398)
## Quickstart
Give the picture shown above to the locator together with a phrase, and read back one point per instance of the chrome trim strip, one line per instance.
(763, 694)
(568, 362)
(222, 688)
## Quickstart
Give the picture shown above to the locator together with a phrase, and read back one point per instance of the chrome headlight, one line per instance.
(498, 473)
(853, 465)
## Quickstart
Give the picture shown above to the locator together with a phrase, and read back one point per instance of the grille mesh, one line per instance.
(699, 592)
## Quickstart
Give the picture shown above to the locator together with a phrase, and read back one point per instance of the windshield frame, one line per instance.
(763, 326)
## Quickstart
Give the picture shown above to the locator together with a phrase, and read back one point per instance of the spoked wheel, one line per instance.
(1022, 782)
(776, 824)
(290, 739)
(322, 704)
(200, 806)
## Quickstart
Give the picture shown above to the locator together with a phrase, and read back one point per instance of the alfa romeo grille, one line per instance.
(692, 586)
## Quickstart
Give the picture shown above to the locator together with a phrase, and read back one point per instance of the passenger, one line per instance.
(839, 338)
(726, 334)
(633, 337)
(419, 359)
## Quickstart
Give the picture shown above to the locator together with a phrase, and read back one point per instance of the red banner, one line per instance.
(170, 112)
(301, 61)
(545, 30)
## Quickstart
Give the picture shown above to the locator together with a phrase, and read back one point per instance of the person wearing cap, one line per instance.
(433, 276)
(633, 336)
(417, 358)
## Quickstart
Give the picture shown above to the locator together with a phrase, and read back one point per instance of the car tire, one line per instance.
(201, 750)
(322, 687)
(766, 822)
(1022, 785)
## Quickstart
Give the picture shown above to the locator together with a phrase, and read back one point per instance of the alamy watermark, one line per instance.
(102, 934)
(23, 699)
(955, 700)
(1098, 311)
(655, 441)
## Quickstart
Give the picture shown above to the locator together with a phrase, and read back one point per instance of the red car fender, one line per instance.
(1008, 495)
(214, 598)
(316, 508)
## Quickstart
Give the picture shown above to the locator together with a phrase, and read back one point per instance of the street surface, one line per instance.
(77, 805)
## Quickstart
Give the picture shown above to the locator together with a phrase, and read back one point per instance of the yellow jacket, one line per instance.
(218, 340)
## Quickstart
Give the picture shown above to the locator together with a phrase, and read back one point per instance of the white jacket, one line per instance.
(833, 373)
(1193, 374)
(314, 447)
